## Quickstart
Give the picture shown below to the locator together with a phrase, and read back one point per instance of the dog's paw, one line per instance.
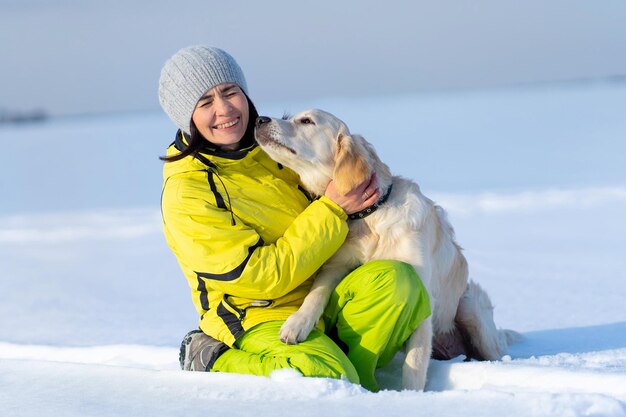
(296, 329)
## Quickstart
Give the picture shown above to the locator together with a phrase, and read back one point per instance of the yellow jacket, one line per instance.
(246, 236)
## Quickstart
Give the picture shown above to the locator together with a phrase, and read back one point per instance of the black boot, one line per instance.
(198, 352)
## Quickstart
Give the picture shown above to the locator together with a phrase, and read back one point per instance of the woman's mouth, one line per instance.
(227, 124)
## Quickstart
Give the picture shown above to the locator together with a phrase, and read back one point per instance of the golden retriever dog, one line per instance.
(403, 225)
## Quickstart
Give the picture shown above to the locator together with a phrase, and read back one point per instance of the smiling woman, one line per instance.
(249, 240)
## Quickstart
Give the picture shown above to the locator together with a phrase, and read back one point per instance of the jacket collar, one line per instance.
(180, 143)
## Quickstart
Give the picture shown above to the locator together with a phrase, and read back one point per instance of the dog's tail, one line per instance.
(475, 319)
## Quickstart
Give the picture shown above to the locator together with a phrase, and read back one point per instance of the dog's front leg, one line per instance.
(299, 325)
(418, 350)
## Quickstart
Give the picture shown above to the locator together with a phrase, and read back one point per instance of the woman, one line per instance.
(249, 241)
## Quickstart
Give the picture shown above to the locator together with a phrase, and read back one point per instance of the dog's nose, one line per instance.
(261, 120)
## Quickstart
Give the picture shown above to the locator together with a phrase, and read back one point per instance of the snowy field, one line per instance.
(93, 305)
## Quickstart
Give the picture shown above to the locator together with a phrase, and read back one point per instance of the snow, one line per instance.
(93, 305)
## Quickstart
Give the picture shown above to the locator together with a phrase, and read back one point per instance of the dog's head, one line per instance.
(319, 147)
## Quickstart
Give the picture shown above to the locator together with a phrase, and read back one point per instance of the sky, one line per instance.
(85, 56)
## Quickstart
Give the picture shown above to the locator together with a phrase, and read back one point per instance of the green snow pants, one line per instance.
(371, 313)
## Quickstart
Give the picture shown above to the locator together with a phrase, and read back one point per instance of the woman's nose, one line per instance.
(261, 120)
(223, 105)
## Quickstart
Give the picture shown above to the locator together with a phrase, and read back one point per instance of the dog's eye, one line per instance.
(306, 121)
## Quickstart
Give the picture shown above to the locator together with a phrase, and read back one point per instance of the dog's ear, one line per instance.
(352, 165)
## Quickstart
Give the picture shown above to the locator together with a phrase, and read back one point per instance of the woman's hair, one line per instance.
(197, 142)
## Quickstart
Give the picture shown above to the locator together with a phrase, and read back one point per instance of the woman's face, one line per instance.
(221, 115)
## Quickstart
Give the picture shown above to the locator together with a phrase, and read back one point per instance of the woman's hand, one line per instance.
(359, 198)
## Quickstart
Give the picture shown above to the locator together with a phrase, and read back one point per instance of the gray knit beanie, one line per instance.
(188, 74)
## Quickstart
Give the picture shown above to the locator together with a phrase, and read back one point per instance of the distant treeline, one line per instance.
(25, 116)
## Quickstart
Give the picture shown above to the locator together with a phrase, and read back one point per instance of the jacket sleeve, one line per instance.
(235, 260)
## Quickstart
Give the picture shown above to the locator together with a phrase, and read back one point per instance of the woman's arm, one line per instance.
(235, 260)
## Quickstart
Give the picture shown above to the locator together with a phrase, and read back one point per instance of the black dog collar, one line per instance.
(364, 213)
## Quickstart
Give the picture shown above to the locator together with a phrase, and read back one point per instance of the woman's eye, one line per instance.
(306, 121)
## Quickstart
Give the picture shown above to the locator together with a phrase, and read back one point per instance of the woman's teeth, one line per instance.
(226, 125)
